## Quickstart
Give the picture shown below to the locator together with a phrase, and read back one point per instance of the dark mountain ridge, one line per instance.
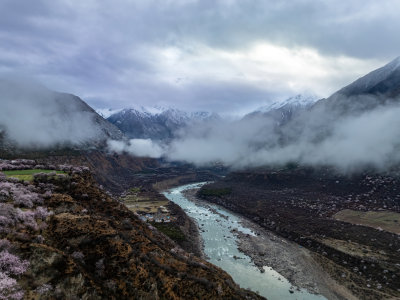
(161, 125)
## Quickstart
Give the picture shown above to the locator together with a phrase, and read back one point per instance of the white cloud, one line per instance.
(264, 66)
(137, 147)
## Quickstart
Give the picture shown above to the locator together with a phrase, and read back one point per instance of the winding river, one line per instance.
(215, 226)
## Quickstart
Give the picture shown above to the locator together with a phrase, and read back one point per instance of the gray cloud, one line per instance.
(110, 52)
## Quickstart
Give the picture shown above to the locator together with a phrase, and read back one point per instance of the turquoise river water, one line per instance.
(215, 225)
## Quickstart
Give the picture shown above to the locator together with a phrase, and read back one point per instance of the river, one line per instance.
(220, 246)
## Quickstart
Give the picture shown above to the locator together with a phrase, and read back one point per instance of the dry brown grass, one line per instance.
(385, 220)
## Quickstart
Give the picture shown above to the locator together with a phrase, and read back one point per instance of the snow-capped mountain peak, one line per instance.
(295, 101)
(107, 112)
(156, 122)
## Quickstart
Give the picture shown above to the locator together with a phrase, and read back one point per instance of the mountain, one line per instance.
(383, 81)
(32, 116)
(156, 122)
(379, 87)
(282, 112)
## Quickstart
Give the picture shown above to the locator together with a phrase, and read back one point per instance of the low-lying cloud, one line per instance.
(371, 139)
(31, 116)
(137, 147)
(322, 136)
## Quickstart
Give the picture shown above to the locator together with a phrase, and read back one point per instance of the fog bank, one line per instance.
(31, 116)
(349, 138)
(137, 147)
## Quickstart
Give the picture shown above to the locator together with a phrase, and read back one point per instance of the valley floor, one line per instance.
(300, 206)
(292, 261)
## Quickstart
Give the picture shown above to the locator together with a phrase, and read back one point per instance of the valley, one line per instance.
(221, 231)
(298, 199)
(64, 237)
(300, 205)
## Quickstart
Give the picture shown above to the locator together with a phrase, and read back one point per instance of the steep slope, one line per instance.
(140, 124)
(155, 123)
(379, 87)
(383, 81)
(282, 112)
(32, 116)
(72, 241)
(376, 93)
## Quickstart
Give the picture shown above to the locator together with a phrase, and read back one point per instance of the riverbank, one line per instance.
(292, 261)
(193, 242)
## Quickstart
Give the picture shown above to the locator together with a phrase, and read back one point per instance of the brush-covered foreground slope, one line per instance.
(302, 205)
(69, 240)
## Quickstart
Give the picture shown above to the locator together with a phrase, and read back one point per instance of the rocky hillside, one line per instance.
(62, 237)
(161, 124)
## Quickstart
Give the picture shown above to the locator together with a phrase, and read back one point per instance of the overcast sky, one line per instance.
(204, 54)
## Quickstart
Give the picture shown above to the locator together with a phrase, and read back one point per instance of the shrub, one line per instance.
(78, 256)
(44, 288)
(11, 264)
(100, 267)
(42, 213)
(9, 288)
(170, 230)
(24, 200)
(28, 219)
(8, 217)
(5, 244)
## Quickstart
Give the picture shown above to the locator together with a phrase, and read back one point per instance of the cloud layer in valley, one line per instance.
(137, 147)
(322, 136)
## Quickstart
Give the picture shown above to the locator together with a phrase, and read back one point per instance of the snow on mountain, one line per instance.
(296, 101)
(380, 81)
(155, 122)
(107, 112)
(281, 112)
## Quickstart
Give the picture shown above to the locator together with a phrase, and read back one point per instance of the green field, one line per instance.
(27, 175)
(215, 192)
(385, 220)
(170, 230)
